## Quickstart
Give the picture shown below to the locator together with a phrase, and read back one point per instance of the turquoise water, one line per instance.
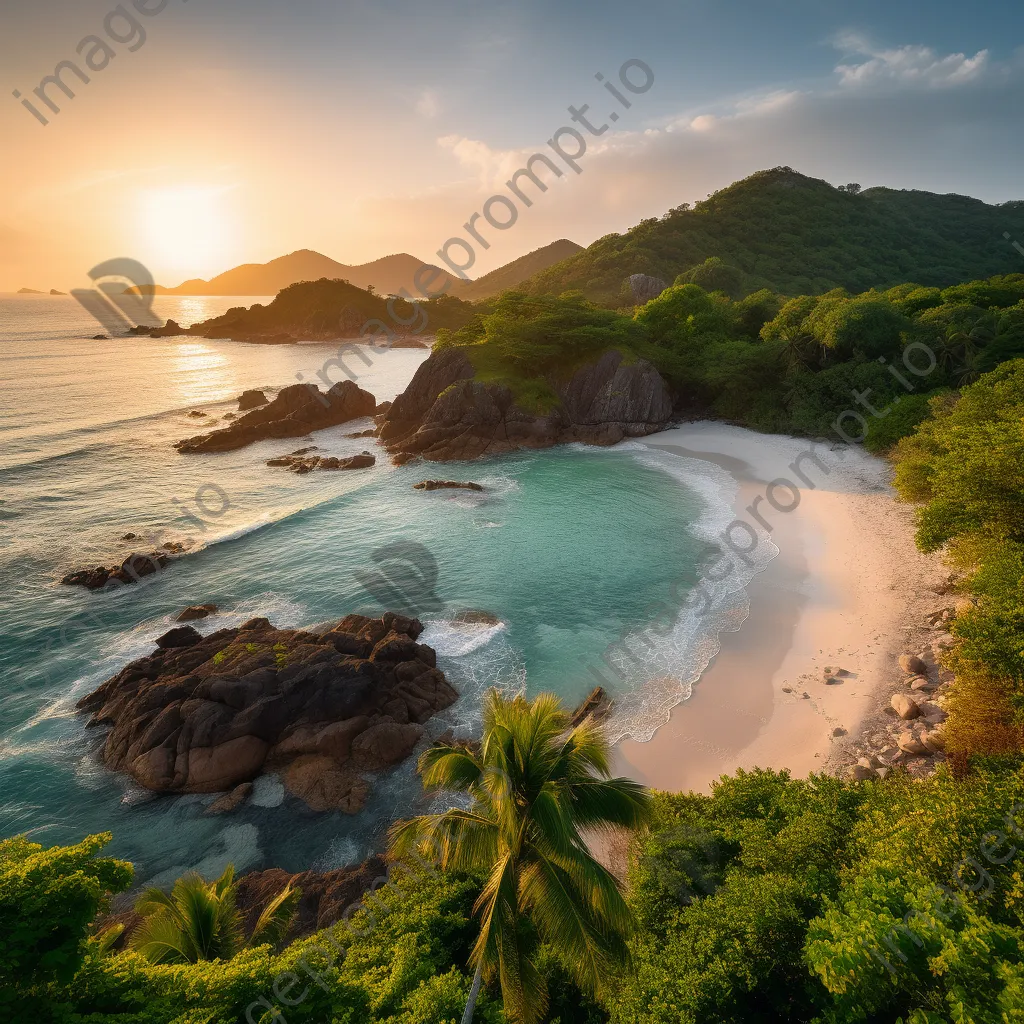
(567, 548)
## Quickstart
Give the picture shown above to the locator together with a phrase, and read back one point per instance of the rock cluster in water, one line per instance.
(296, 411)
(133, 568)
(303, 462)
(440, 485)
(445, 413)
(206, 714)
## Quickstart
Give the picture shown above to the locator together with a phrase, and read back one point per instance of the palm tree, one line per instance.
(536, 784)
(198, 920)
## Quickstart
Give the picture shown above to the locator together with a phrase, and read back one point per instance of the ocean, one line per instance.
(567, 549)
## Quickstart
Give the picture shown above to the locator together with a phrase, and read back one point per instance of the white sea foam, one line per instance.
(267, 791)
(653, 670)
(451, 639)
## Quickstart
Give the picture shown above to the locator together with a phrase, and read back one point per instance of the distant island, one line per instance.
(36, 291)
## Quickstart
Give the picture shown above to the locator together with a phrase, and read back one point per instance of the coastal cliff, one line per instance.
(446, 413)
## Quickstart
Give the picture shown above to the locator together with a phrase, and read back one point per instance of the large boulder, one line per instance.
(296, 411)
(446, 413)
(206, 714)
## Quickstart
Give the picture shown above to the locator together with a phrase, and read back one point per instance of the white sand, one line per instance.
(847, 590)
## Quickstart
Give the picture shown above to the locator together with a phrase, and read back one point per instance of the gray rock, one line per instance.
(645, 287)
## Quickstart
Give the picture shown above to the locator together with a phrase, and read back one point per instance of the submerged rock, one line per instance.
(296, 411)
(205, 714)
(230, 801)
(196, 611)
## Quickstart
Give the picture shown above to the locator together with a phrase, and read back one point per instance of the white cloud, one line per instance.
(908, 65)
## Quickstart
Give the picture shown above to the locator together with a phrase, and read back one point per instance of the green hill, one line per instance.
(513, 274)
(800, 235)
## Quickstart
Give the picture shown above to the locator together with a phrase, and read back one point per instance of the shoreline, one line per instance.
(848, 590)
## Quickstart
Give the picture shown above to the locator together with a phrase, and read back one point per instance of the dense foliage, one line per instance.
(965, 465)
(810, 901)
(835, 903)
(857, 367)
(337, 309)
(799, 235)
(400, 960)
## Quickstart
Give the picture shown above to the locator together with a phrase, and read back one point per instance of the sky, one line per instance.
(237, 131)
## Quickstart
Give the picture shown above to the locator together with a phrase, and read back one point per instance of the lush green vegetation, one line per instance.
(334, 308)
(772, 899)
(400, 960)
(775, 364)
(965, 465)
(818, 900)
(531, 343)
(536, 785)
(799, 235)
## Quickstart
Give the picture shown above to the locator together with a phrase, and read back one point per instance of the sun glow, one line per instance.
(186, 230)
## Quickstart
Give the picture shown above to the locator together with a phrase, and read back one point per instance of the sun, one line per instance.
(186, 229)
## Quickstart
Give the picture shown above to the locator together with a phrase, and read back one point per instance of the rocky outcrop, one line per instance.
(446, 414)
(300, 462)
(324, 896)
(133, 568)
(251, 399)
(169, 330)
(296, 411)
(645, 287)
(440, 485)
(205, 714)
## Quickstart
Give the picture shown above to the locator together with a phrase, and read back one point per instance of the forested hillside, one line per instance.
(800, 235)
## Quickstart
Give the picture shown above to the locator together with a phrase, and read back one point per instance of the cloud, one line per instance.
(894, 133)
(906, 65)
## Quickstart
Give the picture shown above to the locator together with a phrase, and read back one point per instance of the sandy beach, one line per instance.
(848, 590)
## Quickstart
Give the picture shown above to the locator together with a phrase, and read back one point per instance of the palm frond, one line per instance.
(609, 803)
(161, 941)
(565, 918)
(449, 768)
(456, 840)
(276, 918)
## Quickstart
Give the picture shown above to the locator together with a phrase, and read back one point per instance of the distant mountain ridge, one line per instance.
(387, 275)
(803, 236)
